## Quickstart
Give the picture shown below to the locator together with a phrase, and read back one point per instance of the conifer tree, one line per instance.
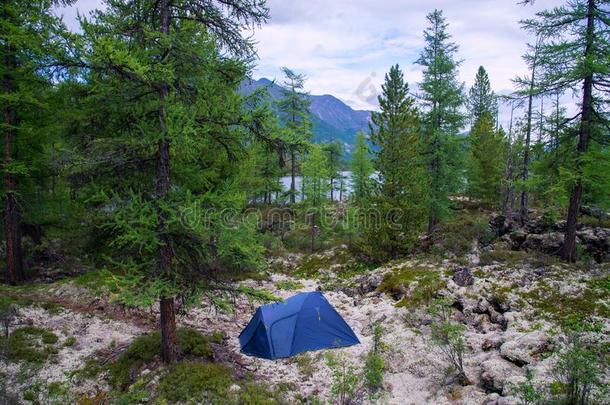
(442, 97)
(485, 167)
(294, 108)
(334, 152)
(481, 98)
(316, 175)
(575, 57)
(32, 40)
(401, 194)
(168, 125)
(361, 168)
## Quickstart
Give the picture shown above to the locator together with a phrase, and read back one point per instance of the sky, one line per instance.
(345, 47)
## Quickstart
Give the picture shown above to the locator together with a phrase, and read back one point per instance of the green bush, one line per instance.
(580, 373)
(146, 347)
(30, 344)
(210, 383)
(448, 336)
(346, 380)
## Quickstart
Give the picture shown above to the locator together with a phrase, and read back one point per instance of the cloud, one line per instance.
(345, 46)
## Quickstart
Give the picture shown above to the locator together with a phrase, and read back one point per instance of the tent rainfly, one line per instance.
(303, 322)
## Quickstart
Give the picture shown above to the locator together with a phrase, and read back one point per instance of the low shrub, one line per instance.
(30, 344)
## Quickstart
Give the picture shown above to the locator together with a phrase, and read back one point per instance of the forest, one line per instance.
(150, 206)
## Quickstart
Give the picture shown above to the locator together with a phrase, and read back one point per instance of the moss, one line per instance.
(289, 285)
(188, 382)
(56, 389)
(30, 344)
(70, 341)
(99, 282)
(429, 282)
(249, 275)
(508, 257)
(146, 347)
(570, 309)
(342, 262)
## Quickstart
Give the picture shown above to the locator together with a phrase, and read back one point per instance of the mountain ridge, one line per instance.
(332, 119)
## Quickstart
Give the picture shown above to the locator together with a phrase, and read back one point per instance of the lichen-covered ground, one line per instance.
(517, 313)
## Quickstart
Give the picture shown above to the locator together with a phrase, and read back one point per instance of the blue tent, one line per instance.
(303, 322)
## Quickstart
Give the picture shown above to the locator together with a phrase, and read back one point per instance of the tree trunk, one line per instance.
(169, 348)
(293, 173)
(169, 345)
(12, 212)
(332, 186)
(569, 246)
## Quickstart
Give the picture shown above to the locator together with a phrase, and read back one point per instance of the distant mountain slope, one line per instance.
(332, 119)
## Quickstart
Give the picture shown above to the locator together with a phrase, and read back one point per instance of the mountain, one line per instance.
(332, 119)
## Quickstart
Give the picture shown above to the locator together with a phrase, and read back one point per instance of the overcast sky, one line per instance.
(345, 47)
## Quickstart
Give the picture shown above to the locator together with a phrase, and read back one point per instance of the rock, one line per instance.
(549, 243)
(500, 225)
(463, 277)
(495, 372)
(492, 342)
(369, 283)
(524, 348)
(234, 388)
(596, 241)
(518, 237)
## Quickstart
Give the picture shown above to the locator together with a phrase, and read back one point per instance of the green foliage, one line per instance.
(29, 344)
(346, 379)
(481, 98)
(442, 97)
(415, 286)
(525, 391)
(294, 112)
(316, 175)
(289, 285)
(374, 365)
(361, 168)
(484, 170)
(145, 348)
(400, 203)
(580, 373)
(448, 336)
(188, 382)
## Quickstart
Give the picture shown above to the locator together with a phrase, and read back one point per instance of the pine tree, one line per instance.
(481, 99)
(161, 97)
(401, 197)
(442, 97)
(294, 108)
(361, 168)
(574, 57)
(31, 40)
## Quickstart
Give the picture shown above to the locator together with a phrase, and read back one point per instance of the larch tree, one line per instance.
(574, 57)
(294, 110)
(161, 80)
(361, 168)
(401, 196)
(32, 41)
(334, 152)
(442, 97)
(316, 175)
(526, 89)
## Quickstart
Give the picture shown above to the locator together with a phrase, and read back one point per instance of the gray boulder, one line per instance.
(496, 372)
(462, 276)
(524, 348)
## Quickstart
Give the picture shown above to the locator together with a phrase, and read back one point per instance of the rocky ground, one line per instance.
(514, 306)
